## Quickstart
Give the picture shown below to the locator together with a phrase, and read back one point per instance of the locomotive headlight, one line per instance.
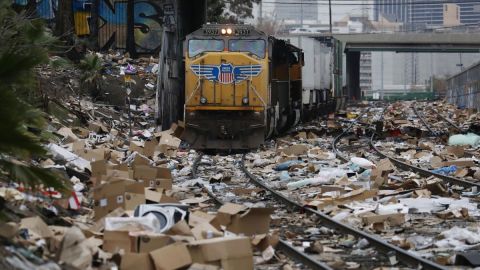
(223, 31)
(245, 100)
(229, 31)
(203, 100)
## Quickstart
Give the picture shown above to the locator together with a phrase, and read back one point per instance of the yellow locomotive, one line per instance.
(241, 86)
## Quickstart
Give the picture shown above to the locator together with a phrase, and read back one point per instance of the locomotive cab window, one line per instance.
(254, 46)
(198, 46)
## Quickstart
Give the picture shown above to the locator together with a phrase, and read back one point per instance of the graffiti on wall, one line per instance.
(45, 9)
(148, 18)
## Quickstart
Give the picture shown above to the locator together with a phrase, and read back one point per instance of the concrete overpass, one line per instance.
(352, 44)
(411, 42)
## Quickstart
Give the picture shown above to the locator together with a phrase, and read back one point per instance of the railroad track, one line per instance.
(389, 252)
(289, 250)
(420, 116)
(423, 172)
(399, 163)
(383, 246)
(449, 121)
(409, 167)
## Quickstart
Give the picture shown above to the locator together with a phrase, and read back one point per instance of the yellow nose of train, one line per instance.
(226, 81)
(226, 87)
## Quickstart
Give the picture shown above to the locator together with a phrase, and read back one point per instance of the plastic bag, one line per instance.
(286, 165)
(363, 163)
(460, 139)
(446, 170)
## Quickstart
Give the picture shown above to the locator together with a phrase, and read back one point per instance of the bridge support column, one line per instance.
(353, 75)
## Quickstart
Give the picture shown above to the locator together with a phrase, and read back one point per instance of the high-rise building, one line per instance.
(297, 11)
(421, 14)
(393, 10)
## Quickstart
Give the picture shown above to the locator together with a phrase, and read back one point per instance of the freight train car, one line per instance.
(316, 75)
(241, 87)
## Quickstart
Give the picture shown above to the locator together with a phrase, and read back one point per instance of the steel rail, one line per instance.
(449, 121)
(283, 245)
(387, 248)
(423, 172)
(337, 152)
(429, 128)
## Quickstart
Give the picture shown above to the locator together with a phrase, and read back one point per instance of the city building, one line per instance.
(297, 12)
(427, 14)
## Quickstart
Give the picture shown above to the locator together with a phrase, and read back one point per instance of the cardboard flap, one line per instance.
(231, 208)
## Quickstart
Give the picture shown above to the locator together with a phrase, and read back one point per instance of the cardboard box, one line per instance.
(178, 129)
(97, 127)
(99, 168)
(137, 261)
(150, 242)
(158, 196)
(171, 257)
(37, 228)
(139, 160)
(81, 132)
(229, 252)
(93, 154)
(153, 177)
(164, 173)
(126, 194)
(114, 241)
(150, 147)
(136, 147)
(144, 172)
(198, 266)
(243, 220)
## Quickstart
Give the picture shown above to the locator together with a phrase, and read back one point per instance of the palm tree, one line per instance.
(24, 45)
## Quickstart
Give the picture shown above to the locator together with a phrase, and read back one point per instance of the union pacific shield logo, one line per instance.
(226, 73)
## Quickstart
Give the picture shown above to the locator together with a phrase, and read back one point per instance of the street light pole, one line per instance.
(330, 14)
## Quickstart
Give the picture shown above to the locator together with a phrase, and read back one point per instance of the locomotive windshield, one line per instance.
(254, 46)
(198, 46)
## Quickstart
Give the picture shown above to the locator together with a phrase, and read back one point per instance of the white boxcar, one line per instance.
(316, 74)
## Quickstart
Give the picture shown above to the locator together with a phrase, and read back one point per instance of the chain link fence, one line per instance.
(463, 89)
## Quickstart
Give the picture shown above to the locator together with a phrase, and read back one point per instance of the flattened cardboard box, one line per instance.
(230, 252)
(117, 193)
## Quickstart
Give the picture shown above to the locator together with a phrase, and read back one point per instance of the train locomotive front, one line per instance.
(241, 86)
